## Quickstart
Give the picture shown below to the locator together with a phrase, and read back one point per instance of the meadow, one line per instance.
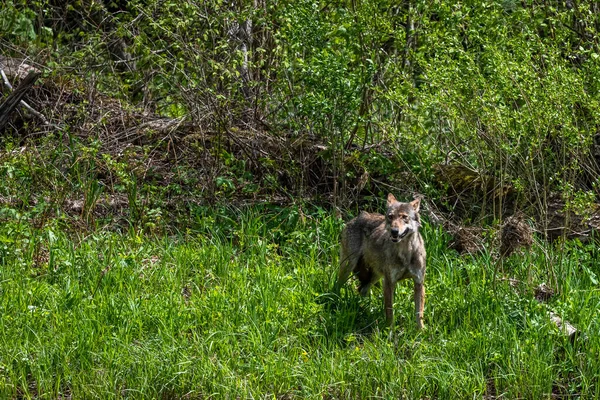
(126, 271)
(241, 306)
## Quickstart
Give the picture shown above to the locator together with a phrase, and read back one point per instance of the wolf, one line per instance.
(374, 246)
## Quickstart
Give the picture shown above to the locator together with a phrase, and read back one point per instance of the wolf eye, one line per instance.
(390, 216)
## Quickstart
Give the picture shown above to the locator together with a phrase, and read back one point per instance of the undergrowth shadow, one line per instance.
(348, 314)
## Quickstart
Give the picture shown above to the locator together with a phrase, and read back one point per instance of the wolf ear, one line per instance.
(390, 199)
(416, 204)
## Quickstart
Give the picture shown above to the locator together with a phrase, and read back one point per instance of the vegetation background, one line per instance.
(171, 200)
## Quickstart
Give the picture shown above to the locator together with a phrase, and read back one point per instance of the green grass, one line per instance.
(241, 307)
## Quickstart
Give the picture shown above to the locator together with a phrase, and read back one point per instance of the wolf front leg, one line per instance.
(419, 303)
(389, 287)
(388, 300)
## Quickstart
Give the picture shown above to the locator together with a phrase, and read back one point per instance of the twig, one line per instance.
(5, 79)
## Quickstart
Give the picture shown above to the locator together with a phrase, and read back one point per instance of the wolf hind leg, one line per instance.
(366, 277)
(348, 263)
(365, 288)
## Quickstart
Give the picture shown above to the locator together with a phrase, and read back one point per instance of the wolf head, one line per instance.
(402, 219)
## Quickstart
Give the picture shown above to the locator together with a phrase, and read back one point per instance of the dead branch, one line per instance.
(564, 326)
(23, 102)
(542, 294)
(13, 100)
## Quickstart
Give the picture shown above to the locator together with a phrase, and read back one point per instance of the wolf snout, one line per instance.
(395, 234)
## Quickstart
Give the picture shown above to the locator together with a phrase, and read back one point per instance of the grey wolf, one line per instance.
(374, 246)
